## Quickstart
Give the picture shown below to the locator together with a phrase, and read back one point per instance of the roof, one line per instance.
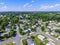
(28, 29)
(50, 43)
(21, 25)
(41, 37)
(30, 42)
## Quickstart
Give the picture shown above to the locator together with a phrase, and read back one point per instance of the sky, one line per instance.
(29, 5)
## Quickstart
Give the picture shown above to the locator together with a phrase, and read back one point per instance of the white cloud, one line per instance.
(32, 1)
(49, 6)
(57, 5)
(1, 3)
(46, 7)
(30, 5)
(26, 4)
(4, 7)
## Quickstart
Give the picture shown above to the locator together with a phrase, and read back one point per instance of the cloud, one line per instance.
(4, 7)
(57, 5)
(49, 6)
(46, 7)
(28, 4)
(32, 1)
(25, 4)
(1, 3)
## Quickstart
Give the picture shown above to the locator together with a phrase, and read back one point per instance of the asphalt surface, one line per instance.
(18, 39)
(49, 36)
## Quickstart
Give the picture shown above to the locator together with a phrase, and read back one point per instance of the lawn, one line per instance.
(55, 36)
(9, 43)
(46, 41)
(38, 41)
(24, 42)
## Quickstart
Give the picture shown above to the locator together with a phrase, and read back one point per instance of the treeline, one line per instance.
(45, 16)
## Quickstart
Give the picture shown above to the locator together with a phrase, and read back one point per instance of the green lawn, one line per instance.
(46, 41)
(38, 41)
(55, 36)
(9, 43)
(24, 42)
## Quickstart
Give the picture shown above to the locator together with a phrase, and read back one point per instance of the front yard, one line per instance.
(9, 43)
(38, 41)
(24, 42)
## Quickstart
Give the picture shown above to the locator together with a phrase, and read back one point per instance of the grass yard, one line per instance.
(24, 42)
(38, 41)
(46, 41)
(54, 36)
(9, 43)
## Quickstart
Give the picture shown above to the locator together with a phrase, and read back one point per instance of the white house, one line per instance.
(21, 25)
(28, 29)
(58, 24)
(50, 43)
(54, 33)
(41, 37)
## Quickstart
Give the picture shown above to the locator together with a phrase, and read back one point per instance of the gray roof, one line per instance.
(30, 42)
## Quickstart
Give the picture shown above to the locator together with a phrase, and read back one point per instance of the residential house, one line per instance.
(50, 43)
(30, 42)
(41, 37)
(8, 28)
(28, 29)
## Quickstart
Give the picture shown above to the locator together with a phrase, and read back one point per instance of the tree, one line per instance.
(58, 31)
(47, 23)
(5, 35)
(33, 37)
(11, 33)
(42, 28)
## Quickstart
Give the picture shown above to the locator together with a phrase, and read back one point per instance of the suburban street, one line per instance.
(29, 22)
(49, 36)
(18, 39)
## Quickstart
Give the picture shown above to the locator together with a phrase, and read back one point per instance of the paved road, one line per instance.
(57, 41)
(47, 35)
(18, 39)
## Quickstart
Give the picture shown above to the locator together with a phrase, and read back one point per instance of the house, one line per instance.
(33, 26)
(21, 25)
(8, 28)
(41, 37)
(2, 34)
(54, 28)
(1, 15)
(51, 21)
(58, 24)
(47, 29)
(50, 43)
(30, 42)
(50, 26)
(54, 33)
(28, 29)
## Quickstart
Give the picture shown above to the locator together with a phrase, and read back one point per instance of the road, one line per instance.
(18, 39)
(47, 35)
